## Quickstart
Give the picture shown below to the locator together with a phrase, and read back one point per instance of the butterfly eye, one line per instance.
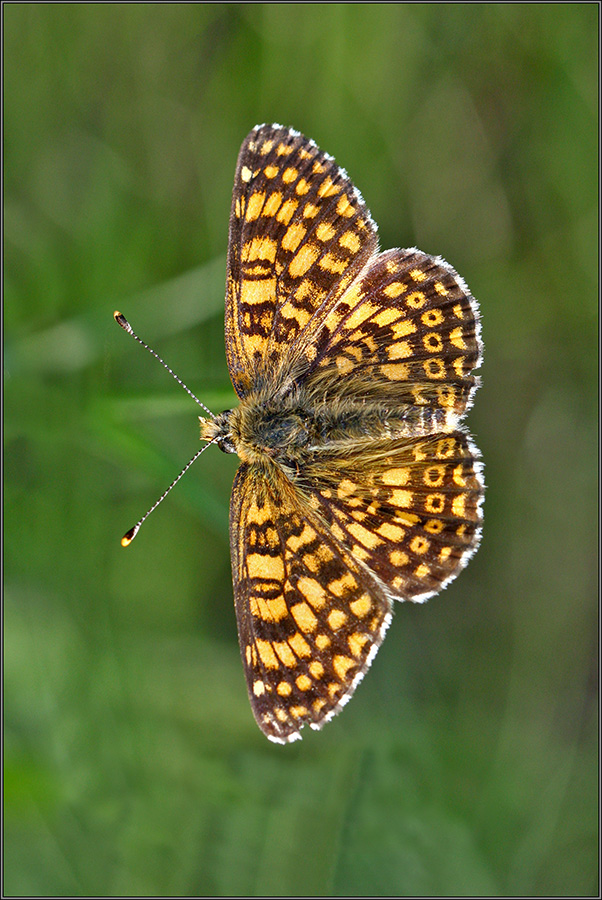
(226, 445)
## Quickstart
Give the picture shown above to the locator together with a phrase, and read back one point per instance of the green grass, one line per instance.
(467, 762)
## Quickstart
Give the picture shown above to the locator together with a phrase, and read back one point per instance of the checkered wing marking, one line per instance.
(299, 234)
(310, 618)
(408, 510)
(408, 329)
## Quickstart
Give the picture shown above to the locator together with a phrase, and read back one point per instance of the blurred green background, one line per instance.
(467, 761)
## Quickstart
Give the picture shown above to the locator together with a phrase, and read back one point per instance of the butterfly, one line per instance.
(358, 485)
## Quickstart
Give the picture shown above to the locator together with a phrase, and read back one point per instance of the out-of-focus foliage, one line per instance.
(467, 762)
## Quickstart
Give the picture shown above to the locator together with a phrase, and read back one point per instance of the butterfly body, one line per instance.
(291, 430)
(358, 484)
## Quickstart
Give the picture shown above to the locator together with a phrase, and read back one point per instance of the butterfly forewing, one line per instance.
(310, 618)
(299, 233)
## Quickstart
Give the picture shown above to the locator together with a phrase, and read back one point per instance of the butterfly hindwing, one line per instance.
(406, 330)
(408, 510)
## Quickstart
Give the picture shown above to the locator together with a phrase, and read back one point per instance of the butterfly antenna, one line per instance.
(121, 320)
(129, 536)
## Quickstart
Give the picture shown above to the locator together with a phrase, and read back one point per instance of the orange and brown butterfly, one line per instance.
(358, 485)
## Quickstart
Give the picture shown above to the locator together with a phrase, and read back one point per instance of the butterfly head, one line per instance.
(219, 430)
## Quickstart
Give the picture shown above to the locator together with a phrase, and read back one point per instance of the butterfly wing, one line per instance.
(299, 234)
(310, 616)
(406, 331)
(407, 510)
